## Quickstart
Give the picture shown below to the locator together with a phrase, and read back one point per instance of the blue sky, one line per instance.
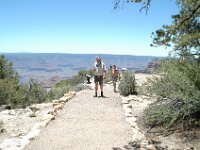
(81, 26)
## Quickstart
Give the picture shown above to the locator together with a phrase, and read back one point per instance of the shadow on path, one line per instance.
(129, 146)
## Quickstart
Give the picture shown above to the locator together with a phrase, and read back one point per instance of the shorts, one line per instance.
(98, 79)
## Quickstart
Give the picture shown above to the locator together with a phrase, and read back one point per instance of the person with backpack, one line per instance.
(114, 76)
(99, 74)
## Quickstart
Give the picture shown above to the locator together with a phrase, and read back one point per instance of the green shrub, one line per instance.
(62, 83)
(177, 92)
(108, 76)
(127, 84)
(30, 93)
(6, 70)
(57, 92)
(7, 91)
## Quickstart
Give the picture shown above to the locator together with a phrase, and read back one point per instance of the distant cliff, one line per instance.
(44, 66)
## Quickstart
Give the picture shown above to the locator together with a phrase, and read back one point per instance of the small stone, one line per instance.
(57, 107)
(150, 147)
(39, 125)
(143, 143)
(63, 99)
(48, 117)
(32, 134)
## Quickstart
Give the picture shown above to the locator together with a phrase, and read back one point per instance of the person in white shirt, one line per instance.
(100, 72)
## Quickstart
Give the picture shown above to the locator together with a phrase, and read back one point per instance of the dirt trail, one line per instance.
(87, 123)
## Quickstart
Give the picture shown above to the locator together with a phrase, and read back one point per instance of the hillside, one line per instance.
(51, 68)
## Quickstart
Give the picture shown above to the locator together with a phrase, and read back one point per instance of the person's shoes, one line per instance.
(101, 94)
(95, 95)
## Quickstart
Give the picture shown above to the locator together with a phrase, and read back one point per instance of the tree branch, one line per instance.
(190, 16)
(146, 5)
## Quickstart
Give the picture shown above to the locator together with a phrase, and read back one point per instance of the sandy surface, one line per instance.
(87, 123)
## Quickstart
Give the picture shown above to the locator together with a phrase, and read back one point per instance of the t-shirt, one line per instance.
(100, 68)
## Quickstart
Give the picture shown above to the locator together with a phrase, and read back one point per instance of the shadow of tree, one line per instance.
(130, 146)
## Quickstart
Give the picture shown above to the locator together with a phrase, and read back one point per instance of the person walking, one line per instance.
(114, 76)
(100, 72)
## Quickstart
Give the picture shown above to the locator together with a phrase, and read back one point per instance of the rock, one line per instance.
(32, 114)
(42, 106)
(63, 103)
(143, 143)
(150, 147)
(70, 94)
(34, 108)
(2, 130)
(63, 99)
(129, 105)
(125, 102)
(131, 120)
(128, 110)
(8, 107)
(57, 107)
(14, 144)
(12, 112)
(52, 112)
(5, 112)
(32, 134)
(191, 148)
(55, 101)
(48, 117)
(128, 115)
(55, 104)
(39, 125)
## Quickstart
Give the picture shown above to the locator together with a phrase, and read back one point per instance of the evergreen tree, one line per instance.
(6, 70)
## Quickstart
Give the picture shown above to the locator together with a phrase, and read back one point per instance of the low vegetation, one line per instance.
(127, 84)
(16, 94)
(177, 90)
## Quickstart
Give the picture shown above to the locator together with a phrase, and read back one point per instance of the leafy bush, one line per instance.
(57, 92)
(62, 83)
(36, 93)
(178, 93)
(127, 85)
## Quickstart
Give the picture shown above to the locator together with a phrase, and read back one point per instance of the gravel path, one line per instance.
(87, 123)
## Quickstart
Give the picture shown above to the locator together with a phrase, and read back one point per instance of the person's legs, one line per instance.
(96, 88)
(101, 85)
(96, 85)
(114, 85)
